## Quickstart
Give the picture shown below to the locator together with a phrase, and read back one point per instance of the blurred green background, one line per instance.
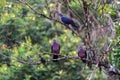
(24, 35)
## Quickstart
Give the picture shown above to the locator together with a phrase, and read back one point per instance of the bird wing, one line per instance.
(52, 49)
(59, 49)
(67, 20)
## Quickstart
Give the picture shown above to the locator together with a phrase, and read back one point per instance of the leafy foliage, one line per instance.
(25, 37)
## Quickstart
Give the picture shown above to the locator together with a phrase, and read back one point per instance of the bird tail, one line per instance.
(83, 60)
(55, 57)
(74, 26)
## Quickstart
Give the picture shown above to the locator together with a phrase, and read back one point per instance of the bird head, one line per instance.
(80, 47)
(54, 40)
(60, 14)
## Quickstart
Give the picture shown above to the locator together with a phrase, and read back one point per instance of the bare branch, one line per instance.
(92, 74)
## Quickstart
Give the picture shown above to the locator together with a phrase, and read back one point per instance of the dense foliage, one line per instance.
(26, 36)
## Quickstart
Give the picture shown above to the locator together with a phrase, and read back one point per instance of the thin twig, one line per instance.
(76, 14)
(27, 4)
(92, 74)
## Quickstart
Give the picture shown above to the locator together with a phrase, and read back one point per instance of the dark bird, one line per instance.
(55, 50)
(43, 61)
(68, 21)
(82, 54)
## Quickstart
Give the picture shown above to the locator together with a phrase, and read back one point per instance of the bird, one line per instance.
(68, 21)
(55, 50)
(43, 61)
(82, 54)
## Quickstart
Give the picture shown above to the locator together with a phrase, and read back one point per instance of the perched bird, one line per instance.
(55, 50)
(68, 21)
(82, 54)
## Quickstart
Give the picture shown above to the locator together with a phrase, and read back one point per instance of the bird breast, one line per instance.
(56, 48)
